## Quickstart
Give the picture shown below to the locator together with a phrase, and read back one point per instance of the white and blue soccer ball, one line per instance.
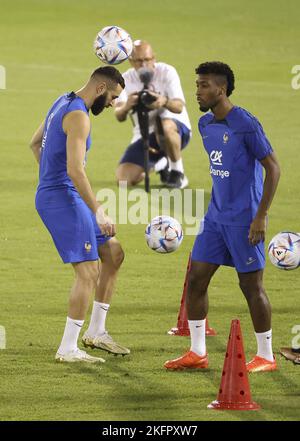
(284, 250)
(164, 234)
(113, 45)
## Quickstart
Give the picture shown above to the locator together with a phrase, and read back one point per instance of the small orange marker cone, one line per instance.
(234, 392)
(208, 330)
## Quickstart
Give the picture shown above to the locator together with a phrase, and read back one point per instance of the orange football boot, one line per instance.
(189, 360)
(259, 364)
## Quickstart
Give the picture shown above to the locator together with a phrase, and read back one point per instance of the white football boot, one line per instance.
(78, 355)
(106, 343)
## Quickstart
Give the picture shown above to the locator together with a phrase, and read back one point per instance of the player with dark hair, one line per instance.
(233, 229)
(76, 221)
(222, 73)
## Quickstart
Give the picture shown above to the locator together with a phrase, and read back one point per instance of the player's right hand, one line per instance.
(257, 230)
(106, 225)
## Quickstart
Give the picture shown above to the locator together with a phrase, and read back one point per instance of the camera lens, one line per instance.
(146, 98)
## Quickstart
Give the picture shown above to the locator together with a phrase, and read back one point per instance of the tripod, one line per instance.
(143, 119)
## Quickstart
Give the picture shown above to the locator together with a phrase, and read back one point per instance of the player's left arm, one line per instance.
(272, 174)
(36, 141)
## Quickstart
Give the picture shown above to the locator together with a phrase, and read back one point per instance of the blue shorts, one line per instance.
(135, 151)
(74, 231)
(228, 245)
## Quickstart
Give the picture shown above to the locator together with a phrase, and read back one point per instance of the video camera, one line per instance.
(145, 97)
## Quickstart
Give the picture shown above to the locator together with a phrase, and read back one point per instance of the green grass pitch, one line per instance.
(46, 48)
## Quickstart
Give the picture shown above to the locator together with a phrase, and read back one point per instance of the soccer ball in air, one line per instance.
(164, 234)
(113, 45)
(284, 250)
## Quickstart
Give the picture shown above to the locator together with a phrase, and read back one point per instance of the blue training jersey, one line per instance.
(55, 188)
(235, 146)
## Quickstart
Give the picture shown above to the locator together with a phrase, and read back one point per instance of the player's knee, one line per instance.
(253, 290)
(112, 255)
(118, 257)
(89, 274)
(197, 284)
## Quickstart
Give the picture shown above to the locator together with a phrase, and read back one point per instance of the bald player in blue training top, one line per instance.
(233, 229)
(68, 207)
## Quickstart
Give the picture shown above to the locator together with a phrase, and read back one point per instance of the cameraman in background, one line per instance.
(169, 125)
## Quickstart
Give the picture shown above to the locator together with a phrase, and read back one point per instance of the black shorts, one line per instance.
(135, 151)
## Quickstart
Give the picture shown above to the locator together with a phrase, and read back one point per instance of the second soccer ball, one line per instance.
(284, 250)
(164, 234)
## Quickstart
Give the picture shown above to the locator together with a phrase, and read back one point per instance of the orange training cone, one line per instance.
(182, 328)
(234, 392)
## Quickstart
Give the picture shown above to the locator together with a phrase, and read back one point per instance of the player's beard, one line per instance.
(99, 104)
(210, 105)
(204, 108)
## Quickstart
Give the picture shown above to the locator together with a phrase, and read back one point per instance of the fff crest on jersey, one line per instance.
(88, 246)
(225, 138)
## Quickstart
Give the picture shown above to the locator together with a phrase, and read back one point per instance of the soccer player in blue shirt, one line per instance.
(233, 229)
(76, 221)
